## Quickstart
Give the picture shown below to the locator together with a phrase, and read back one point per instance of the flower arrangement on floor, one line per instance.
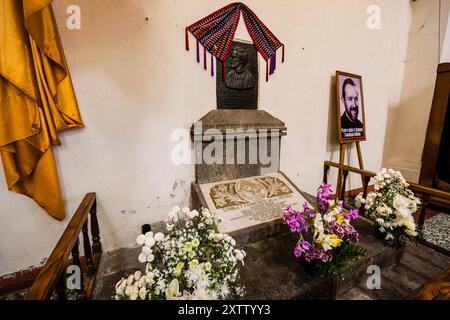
(191, 262)
(326, 236)
(391, 206)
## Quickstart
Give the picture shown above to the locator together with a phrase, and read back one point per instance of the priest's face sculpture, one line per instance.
(351, 101)
(239, 76)
(239, 59)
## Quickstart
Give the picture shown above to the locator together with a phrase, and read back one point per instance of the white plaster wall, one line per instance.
(135, 84)
(445, 32)
(428, 45)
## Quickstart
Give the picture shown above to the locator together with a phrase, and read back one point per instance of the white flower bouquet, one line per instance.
(190, 262)
(391, 207)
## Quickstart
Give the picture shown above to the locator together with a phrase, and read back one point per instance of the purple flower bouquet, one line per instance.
(326, 237)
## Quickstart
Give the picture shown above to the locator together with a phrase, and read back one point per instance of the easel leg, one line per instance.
(360, 159)
(341, 161)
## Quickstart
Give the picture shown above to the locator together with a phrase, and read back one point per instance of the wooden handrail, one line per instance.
(52, 274)
(413, 186)
(436, 289)
(425, 194)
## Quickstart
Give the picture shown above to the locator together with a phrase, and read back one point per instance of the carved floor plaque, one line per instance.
(247, 202)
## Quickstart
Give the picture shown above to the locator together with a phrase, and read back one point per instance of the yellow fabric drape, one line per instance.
(36, 100)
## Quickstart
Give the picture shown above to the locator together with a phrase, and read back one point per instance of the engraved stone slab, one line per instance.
(246, 202)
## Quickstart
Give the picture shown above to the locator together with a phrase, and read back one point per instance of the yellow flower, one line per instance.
(340, 218)
(178, 268)
(193, 263)
(335, 241)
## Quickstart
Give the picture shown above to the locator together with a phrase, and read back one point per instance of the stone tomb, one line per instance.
(247, 202)
(237, 155)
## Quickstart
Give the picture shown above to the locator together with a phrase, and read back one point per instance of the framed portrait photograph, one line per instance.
(350, 107)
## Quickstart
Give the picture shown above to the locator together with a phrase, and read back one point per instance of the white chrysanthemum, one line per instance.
(176, 209)
(142, 258)
(192, 214)
(206, 213)
(173, 216)
(389, 236)
(150, 242)
(167, 246)
(150, 258)
(224, 291)
(149, 235)
(159, 237)
(169, 226)
(400, 202)
(239, 255)
(146, 250)
(201, 295)
(140, 240)
(358, 200)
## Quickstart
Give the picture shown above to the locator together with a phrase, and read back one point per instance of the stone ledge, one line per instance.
(281, 276)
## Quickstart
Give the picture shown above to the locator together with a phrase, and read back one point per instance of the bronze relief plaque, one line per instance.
(239, 90)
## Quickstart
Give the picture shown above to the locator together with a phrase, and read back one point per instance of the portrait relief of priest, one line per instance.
(351, 119)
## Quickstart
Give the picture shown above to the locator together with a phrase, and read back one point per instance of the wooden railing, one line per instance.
(424, 193)
(52, 276)
(436, 289)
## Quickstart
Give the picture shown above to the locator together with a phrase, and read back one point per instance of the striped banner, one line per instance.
(216, 33)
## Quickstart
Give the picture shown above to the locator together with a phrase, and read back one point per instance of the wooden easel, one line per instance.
(341, 162)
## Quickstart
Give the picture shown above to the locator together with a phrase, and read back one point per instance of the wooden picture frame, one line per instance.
(350, 108)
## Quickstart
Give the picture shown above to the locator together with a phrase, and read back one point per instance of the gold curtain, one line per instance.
(36, 100)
